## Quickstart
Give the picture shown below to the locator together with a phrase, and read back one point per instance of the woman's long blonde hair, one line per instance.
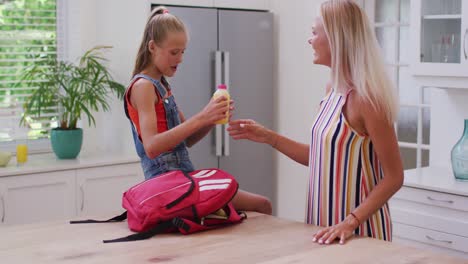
(159, 25)
(356, 58)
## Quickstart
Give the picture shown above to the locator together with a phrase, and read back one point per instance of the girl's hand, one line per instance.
(215, 110)
(249, 129)
(341, 231)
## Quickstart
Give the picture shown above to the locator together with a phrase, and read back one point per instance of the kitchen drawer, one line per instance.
(431, 237)
(432, 198)
(433, 218)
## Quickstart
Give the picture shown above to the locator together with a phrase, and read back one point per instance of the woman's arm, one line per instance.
(251, 130)
(384, 140)
(143, 98)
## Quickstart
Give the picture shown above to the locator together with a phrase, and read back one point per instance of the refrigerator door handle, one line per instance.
(227, 82)
(218, 77)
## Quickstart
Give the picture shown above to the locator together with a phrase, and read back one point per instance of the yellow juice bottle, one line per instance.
(222, 91)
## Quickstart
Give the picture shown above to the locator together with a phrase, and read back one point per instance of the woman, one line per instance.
(354, 160)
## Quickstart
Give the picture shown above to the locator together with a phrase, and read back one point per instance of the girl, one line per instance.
(354, 160)
(160, 131)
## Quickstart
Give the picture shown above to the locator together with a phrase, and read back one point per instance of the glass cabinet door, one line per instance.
(440, 36)
(441, 31)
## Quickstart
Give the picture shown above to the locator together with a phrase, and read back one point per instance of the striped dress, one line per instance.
(344, 169)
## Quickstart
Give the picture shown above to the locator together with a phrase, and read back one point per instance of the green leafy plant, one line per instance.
(75, 90)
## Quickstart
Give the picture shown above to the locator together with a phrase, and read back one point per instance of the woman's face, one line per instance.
(168, 55)
(319, 43)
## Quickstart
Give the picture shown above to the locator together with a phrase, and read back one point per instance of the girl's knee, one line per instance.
(265, 206)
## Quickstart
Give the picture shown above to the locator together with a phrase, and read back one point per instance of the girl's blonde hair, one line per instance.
(356, 58)
(159, 25)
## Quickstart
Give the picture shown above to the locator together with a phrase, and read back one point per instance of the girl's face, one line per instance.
(319, 43)
(167, 56)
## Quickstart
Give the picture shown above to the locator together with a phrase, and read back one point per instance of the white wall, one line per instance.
(300, 83)
(119, 24)
(449, 108)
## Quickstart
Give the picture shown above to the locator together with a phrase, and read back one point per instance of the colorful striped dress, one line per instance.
(344, 169)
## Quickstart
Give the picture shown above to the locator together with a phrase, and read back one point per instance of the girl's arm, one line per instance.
(198, 135)
(143, 98)
(201, 133)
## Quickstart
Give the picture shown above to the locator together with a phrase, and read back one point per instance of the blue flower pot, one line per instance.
(66, 143)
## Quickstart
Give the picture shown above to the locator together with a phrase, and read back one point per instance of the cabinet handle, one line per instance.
(464, 44)
(442, 201)
(3, 209)
(439, 240)
(218, 80)
(82, 197)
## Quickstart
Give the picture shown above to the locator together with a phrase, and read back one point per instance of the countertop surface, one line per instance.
(259, 239)
(48, 162)
(435, 179)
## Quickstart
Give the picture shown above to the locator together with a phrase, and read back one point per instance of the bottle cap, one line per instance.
(222, 86)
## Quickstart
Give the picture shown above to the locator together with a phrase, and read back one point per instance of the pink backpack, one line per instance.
(178, 201)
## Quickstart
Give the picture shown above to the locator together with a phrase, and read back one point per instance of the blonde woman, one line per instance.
(354, 160)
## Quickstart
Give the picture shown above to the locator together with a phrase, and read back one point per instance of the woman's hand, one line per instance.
(341, 231)
(251, 130)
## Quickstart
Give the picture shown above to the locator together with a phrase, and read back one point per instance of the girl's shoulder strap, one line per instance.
(157, 84)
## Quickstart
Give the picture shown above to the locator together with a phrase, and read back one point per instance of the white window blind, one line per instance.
(28, 30)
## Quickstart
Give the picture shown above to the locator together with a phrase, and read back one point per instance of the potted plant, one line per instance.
(75, 90)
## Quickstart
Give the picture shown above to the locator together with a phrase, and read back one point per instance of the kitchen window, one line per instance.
(391, 20)
(29, 29)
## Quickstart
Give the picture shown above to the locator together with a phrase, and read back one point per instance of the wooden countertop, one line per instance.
(259, 239)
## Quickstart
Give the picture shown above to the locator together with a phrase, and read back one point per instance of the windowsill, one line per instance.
(435, 179)
(48, 162)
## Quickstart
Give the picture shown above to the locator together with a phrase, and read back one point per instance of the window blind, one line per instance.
(28, 30)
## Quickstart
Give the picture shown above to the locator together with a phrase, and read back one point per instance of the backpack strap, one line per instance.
(181, 198)
(158, 229)
(118, 218)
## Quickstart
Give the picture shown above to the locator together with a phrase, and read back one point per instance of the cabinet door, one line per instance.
(439, 35)
(251, 87)
(37, 197)
(245, 4)
(207, 3)
(99, 190)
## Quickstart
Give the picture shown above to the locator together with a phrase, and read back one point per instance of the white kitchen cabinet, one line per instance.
(99, 190)
(47, 189)
(203, 3)
(245, 4)
(439, 32)
(235, 4)
(431, 211)
(37, 197)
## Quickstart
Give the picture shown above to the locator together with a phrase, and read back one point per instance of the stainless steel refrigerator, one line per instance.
(234, 47)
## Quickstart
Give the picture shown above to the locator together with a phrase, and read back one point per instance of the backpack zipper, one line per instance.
(157, 194)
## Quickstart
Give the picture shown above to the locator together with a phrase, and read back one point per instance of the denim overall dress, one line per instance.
(175, 159)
